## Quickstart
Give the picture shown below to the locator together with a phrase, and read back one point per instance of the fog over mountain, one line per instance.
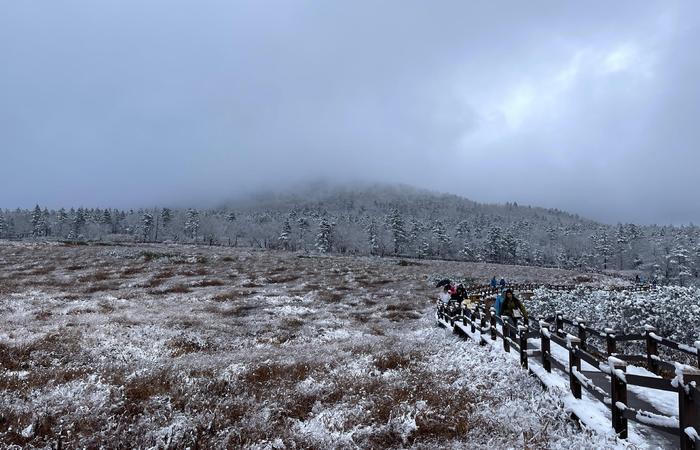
(586, 107)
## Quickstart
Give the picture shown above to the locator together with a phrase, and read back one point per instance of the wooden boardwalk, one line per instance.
(659, 396)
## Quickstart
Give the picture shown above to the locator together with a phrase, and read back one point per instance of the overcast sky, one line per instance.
(591, 107)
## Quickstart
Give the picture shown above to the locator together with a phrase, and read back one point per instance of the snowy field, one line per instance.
(181, 346)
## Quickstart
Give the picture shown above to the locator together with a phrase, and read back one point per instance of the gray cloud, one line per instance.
(589, 108)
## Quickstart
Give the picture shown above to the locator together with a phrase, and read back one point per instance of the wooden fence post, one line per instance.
(687, 409)
(506, 334)
(610, 341)
(473, 320)
(559, 324)
(482, 323)
(582, 332)
(493, 323)
(652, 348)
(545, 345)
(572, 342)
(618, 394)
(464, 315)
(522, 342)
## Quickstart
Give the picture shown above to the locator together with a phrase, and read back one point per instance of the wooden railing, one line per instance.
(578, 340)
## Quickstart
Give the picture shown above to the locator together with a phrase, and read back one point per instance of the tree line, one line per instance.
(388, 222)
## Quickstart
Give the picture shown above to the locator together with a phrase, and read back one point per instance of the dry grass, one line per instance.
(226, 361)
(99, 275)
(178, 288)
(207, 283)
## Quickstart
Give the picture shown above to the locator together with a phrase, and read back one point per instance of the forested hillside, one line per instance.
(386, 220)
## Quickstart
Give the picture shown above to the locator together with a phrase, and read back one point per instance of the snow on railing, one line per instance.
(686, 377)
(692, 433)
(650, 418)
(587, 382)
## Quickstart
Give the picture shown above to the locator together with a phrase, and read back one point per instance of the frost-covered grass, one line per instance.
(179, 346)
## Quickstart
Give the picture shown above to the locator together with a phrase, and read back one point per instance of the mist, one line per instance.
(589, 108)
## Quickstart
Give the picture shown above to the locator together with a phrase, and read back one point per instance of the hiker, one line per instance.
(503, 283)
(499, 303)
(512, 309)
(461, 292)
(494, 283)
(636, 279)
(445, 294)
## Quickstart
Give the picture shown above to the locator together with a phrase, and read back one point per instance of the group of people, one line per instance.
(639, 279)
(495, 284)
(508, 307)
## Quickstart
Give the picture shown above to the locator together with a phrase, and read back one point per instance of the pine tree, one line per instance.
(680, 256)
(563, 259)
(440, 235)
(46, 221)
(467, 252)
(396, 225)
(510, 248)
(3, 227)
(424, 250)
(496, 245)
(192, 223)
(372, 238)
(106, 218)
(37, 222)
(231, 216)
(523, 252)
(621, 245)
(324, 238)
(303, 225)
(166, 216)
(61, 220)
(147, 225)
(538, 258)
(462, 230)
(285, 234)
(603, 248)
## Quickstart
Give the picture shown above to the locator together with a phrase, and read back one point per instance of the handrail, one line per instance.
(478, 317)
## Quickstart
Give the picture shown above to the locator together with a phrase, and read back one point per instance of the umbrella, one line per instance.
(442, 283)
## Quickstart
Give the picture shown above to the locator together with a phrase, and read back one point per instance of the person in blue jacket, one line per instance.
(503, 283)
(499, 303)
(494, 283)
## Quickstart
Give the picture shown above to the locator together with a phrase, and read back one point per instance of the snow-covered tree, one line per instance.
(166, 215)
(441, 238)
(147, 226)
(496, 247)
(396, 225)
(372, 238)
(38, 224)
(303, 225)
(424, 250)
(285, 235)
(603, 247)
(324, 238)
(467, 252)
(192, 223)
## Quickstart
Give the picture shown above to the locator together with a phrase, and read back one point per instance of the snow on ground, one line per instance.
(180, 346)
